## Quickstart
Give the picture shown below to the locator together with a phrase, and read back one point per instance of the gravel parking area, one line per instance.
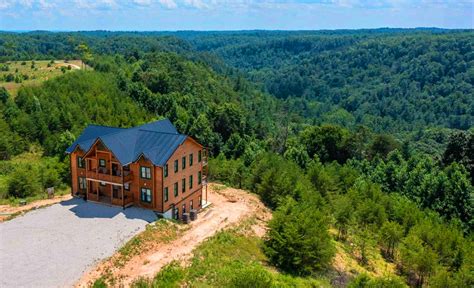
(54, 246)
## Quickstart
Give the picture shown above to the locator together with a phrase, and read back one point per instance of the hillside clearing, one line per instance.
(14, 74)
(230, 207)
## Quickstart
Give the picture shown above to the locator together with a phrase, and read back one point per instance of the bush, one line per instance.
(364, 281)
(24, 182)
(298, 240)
(252, 276)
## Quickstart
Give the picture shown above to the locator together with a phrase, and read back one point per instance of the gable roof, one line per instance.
(156, 141)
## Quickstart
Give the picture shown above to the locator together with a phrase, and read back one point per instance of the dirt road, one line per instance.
(7, 211)
(229, 207)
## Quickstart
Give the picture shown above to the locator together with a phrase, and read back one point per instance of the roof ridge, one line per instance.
(160, 132)
(97, 125)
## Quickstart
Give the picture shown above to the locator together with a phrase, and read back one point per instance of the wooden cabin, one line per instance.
(150, 166)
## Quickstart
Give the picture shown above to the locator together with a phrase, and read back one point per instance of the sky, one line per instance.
(172, 15)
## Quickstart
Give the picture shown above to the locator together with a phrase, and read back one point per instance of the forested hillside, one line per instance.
(387, 80)
(359, 141)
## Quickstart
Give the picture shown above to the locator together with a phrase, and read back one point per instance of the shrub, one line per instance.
(24, 182)
(252, 276)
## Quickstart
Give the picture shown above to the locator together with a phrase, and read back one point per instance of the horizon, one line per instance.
(231, 15)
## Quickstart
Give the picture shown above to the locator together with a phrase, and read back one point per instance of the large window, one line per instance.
(191, 182)
(183, 162)
(81, 163)
(102, 163)
(183, 185)
(82, 183)
(199, 156)
(166, 171)
(191, 159)
(175, 189)
(199, 177)
(166, 194)
(176, 166)
(145, 195)
(145, 172)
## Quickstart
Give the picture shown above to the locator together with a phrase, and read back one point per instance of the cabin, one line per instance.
(150, 166)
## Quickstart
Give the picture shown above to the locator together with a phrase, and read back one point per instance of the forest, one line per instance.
(362, 137)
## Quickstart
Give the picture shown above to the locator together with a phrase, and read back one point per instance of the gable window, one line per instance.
(145, 172)
(175, 166)
(81, 163)
(183, 162)
(190, 181)
(102, 163)
(191, 159)
(82, 183)
(199, 177)
(199, 156)
(145, 195)
(175, 189)
(166, 194)
(166, 170)
(183, 185)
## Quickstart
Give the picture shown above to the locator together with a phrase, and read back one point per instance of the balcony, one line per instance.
(103, 174)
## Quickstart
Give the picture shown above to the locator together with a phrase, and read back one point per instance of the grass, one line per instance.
(36, 75)
(232, 258)
(156, 233)
(161, 231)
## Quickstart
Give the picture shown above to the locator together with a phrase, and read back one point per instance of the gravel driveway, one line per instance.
(54, 246)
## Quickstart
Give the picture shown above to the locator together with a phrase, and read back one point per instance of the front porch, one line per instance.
(108, 193)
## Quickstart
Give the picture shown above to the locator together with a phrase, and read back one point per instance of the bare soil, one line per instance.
(229, 208)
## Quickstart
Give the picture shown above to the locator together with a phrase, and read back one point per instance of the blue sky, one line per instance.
(232, 14)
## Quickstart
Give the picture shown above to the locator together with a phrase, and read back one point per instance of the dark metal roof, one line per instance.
(156, 141)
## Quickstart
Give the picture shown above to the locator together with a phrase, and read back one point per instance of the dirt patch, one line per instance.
(8, 212)
(230, 207)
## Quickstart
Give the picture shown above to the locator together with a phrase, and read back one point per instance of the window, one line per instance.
(175, 166)
(175, 189)
(184, 208)
(82, 183)
(199, 201)
(191, 159)
(145, 195)
(102, 162)
(145, 172)
(199, 177)
(190, 181)
(166, 170)
(80, 162)
(176, 213)
(183, 162)
(191, 207)
(126, 186)
(166, 194)
(103, 184)
(199, 156)
(183, 185)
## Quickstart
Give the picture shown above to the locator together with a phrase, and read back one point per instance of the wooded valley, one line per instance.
(360, 139)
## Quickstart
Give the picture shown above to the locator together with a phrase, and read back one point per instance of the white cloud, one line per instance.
(142, 2)
(196, 4)
(170, 4)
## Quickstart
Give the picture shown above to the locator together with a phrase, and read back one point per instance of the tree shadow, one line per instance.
(87, 209)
